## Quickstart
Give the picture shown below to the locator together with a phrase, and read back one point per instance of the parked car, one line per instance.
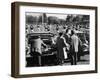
(84, 47)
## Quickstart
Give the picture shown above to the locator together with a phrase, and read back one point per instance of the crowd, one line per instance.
(66, 41)
(67, 44)
(44, 28)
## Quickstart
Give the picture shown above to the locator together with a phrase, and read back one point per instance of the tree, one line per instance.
(86, 18)
(40, 19)
(53, 20)
(31, 19)
(44, 18)
(69, 18)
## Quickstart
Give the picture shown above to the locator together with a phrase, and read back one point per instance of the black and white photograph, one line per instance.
(53, 39)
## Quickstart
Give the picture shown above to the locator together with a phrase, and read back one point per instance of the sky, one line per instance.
(60, 16)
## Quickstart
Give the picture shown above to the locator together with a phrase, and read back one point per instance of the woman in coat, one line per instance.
(60, 45)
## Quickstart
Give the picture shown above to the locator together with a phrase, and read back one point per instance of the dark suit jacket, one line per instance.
(67, 38)
(60, 45)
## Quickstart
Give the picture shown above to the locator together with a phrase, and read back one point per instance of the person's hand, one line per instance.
(67, 48)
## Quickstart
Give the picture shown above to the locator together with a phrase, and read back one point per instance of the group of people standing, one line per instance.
(67, 46)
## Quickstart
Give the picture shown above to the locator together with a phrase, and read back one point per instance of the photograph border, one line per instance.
(15, 40)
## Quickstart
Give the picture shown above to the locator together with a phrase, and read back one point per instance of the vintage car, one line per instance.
(47, 57)
(84, 45)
